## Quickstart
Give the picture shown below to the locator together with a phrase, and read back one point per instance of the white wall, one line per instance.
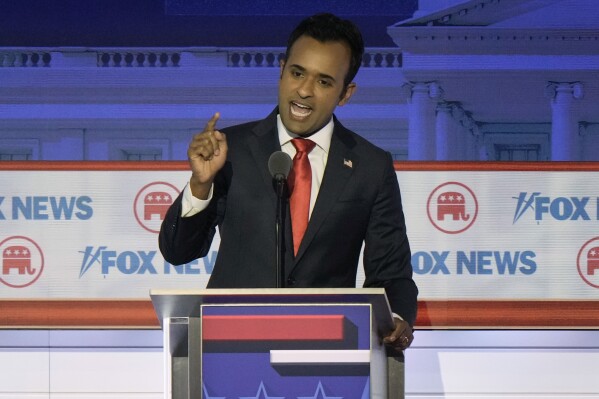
(81, 364)
(118, 364)
(503, 364)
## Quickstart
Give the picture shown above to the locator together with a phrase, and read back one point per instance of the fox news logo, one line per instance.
(46, 208)
(129, 262)
(560, 208)
(475, 262)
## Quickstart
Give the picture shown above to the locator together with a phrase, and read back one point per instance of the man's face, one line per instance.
(312, 84)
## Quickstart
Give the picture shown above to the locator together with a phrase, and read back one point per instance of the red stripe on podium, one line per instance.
(273, 328)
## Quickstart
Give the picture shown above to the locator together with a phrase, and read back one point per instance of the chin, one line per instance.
(294, 127)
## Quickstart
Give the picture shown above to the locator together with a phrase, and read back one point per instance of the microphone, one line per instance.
(279, 166)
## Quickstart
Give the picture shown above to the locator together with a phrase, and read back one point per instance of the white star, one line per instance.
(319, 394)
(205, 394)
(25, 252)
(443, 199)
(8, 252)
(167, 198)
(451, 198)
(593, 252)
(262, 390)
(460, 198)
(150, 198)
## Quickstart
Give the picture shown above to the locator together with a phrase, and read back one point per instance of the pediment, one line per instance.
(500, 27)
(521, 14)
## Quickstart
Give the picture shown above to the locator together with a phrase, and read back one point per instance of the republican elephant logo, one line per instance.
(587, 262)
(156, 203)
(452, 207)
(21, 262)
(592, 260)
(451, 203)
(151, 204)
(17, 257)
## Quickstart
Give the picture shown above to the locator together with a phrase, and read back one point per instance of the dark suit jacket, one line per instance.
(358, 202)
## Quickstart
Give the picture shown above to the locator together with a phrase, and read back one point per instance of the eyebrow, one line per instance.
(321, 75)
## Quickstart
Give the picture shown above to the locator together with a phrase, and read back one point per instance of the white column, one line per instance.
(455, 132)
(445, 132)
(471, 133)
(421, 126)
(565, 140)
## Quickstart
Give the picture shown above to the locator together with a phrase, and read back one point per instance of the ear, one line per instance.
(282, 66)
(347, 93)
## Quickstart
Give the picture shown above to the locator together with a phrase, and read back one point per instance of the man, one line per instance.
(353, 194)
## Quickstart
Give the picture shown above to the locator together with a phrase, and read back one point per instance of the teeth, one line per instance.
(300, 110)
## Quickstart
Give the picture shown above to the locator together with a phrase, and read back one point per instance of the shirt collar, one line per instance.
(322, 138)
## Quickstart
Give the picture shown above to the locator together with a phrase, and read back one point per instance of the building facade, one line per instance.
(468, 81)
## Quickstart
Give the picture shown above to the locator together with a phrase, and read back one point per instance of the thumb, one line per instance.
(221, 138)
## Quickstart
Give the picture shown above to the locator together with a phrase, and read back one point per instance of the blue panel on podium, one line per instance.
(276, 351)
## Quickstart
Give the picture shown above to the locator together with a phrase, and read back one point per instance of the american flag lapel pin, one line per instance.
(348, 163)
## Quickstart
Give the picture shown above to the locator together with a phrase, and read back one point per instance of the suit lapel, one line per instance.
(341, 163)
(262, 144)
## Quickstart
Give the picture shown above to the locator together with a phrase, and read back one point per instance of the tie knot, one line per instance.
(303, 145)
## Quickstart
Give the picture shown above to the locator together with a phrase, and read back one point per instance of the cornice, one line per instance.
(489, 40)
(170, 57)
(477, 12)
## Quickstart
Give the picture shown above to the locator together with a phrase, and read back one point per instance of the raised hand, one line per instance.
(207, 154)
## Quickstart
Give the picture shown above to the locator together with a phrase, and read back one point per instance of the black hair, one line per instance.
(330, 28)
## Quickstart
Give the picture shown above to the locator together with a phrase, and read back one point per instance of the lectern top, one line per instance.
(187, 303)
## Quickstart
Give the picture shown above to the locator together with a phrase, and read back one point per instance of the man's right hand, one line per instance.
(207, 154)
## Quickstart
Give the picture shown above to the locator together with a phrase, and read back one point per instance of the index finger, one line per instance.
(212, 122)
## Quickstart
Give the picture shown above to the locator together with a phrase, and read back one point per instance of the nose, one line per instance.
(306, 88)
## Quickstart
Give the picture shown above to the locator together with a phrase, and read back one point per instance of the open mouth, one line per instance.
(299, 110)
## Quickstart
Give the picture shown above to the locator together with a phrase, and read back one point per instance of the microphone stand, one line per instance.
(280, 230)
(279, 165)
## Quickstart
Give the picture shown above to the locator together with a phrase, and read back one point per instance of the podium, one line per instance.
(278, 343)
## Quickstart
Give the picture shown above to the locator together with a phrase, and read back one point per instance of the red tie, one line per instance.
(300, 186)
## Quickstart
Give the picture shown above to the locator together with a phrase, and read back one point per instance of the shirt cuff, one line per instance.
(191, 205)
